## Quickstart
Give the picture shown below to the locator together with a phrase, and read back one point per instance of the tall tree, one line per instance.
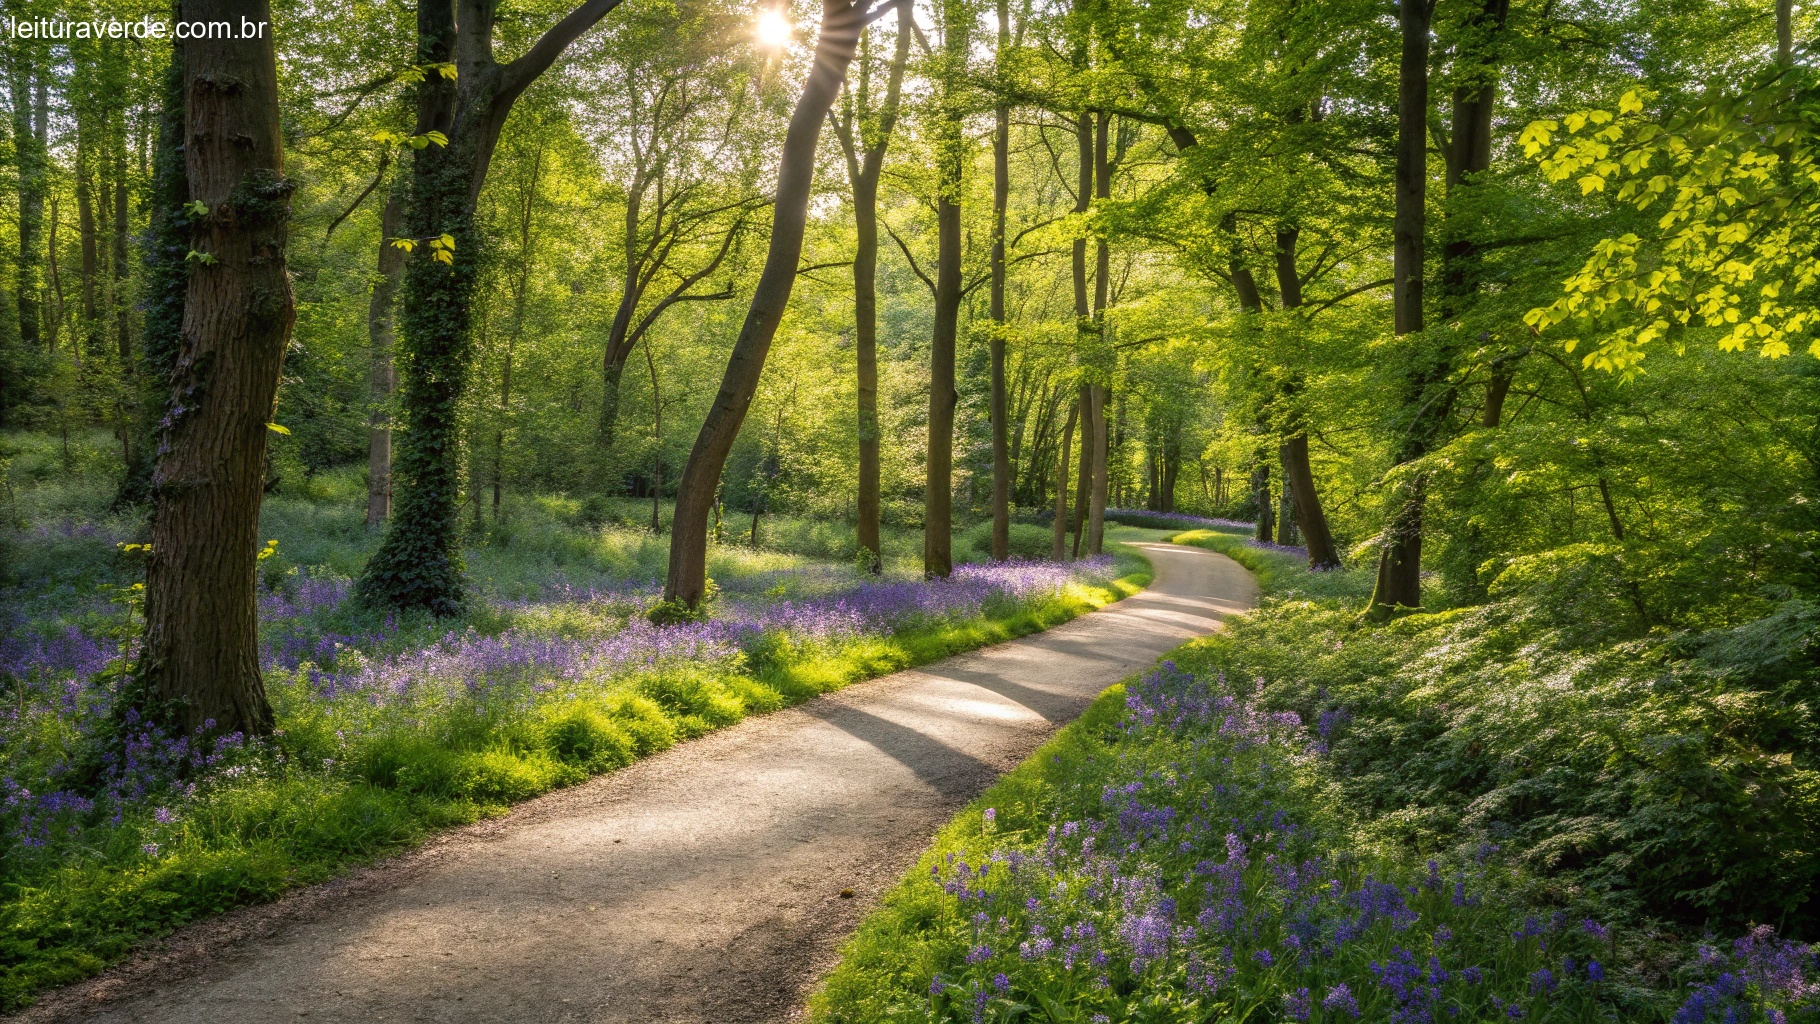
(865, 135)
(951, 160)
(842, 23)
(1399, 580)
(686, 179)
(201, 651)
(29, 92)
(1001, 194)
(382, 377)
(418, 564)
(165, 258)
(1300, 495)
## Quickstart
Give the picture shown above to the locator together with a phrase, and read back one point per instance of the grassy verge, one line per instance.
(345, 783)
(1480, 821)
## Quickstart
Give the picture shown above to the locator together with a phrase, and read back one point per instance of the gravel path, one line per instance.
(702, 884)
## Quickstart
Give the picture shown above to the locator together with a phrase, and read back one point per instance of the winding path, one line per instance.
(702, 884)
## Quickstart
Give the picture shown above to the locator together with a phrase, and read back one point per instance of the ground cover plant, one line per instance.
(1527, 791)
(1185, 853)
(392, 725)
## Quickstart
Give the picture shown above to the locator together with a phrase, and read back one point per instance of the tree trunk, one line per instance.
(1300, 493)
(1172, 465)
(1286, 510)
(1058, 549)
(29, 130)
(865, 334)
(1001, 192)
(418, 564)
(863, 170)
(1102, 278)
(85, 224)
(1260, 490)
(381, 374)
(687, 578)
(201, 652)
(122, 311)
(166, 277)
(1083, 471)
(938, 498)
(1399, 580)
(1785, 32)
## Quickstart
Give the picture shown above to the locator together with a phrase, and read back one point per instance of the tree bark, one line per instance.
(1058, 549)
(122, 311)
(1260, 491)
(1300, 492)
(85, 226)
(1102, 278)
(29, 153)
(418, 564)
(865, 162)
(381, 373)
(201, 651)
(1001, 193)
(166, 276)
(1399, 579)
(687, 577)
(938, 496)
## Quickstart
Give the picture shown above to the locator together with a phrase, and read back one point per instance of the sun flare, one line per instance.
(774, 28)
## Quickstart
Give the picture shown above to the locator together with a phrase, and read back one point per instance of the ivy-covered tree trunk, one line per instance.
(688, 570)
(418, 564)
(201, 652)
(1399, 581)
(166, 278)
(382, 376)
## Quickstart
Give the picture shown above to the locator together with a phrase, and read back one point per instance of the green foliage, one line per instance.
(1675, 776)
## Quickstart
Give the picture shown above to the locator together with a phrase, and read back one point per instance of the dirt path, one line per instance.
(703, 884)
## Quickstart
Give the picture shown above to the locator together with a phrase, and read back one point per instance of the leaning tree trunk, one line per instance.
(1399, 581)
(201, 652)
(687, 578)
(381, 374)
(1299, 490)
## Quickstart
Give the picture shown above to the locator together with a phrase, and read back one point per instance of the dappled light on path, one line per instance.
(705, 883)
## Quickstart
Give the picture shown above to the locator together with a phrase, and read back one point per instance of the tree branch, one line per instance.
(912, 259)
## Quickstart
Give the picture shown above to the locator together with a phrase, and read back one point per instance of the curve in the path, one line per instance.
(702, 884)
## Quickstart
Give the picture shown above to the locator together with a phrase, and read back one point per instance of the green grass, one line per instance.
(318, 803)
(1458, 731)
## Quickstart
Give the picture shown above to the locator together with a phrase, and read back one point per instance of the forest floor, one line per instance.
(711, 882)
